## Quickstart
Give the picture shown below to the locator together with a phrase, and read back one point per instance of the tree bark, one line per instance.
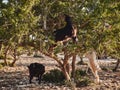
(0, 46)
(5, 55)
(66, 74)
(15, 56)
(73, 65)
(5, 58)
(66, 67)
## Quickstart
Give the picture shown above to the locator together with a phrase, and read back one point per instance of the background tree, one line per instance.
(31, 24)
(17, 20)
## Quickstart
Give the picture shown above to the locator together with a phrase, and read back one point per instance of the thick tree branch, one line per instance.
(53, 57)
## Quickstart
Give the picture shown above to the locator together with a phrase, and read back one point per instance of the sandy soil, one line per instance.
(16, 78)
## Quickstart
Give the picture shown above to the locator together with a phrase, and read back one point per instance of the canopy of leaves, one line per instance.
(98, 23)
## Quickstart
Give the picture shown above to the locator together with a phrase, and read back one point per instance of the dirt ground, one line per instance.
(16, 78)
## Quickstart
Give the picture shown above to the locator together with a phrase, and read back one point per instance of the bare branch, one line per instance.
(53, 57)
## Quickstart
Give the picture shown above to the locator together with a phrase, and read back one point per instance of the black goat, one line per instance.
(36, 70)
(66, 33)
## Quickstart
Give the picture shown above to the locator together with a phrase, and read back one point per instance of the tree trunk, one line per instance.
(0, 47)
(73, 65)
(15, 56)
(68, 68)
(5, 58)
(65, 72)
(117, 65)
(5, 55)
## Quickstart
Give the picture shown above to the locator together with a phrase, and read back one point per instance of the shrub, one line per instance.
(83, 82)
(80, 72)
(54, 76)
(1, 56)
(105, 69)
(81, 78)
(1, 65)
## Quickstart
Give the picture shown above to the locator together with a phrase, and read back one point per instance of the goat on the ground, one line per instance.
(36, 70)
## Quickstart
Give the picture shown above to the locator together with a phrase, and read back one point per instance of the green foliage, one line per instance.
(1, 66)
(22, 23)
(17, 19)
(20, 51)
(83, 82)
(1, 56)
(58, 49)
(54, 76)
(81, 78)
(80, 73)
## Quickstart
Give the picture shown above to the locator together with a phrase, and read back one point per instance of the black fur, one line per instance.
(36, 70)
(65, 32)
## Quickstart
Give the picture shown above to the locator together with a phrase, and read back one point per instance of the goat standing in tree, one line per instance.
(66, 33)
